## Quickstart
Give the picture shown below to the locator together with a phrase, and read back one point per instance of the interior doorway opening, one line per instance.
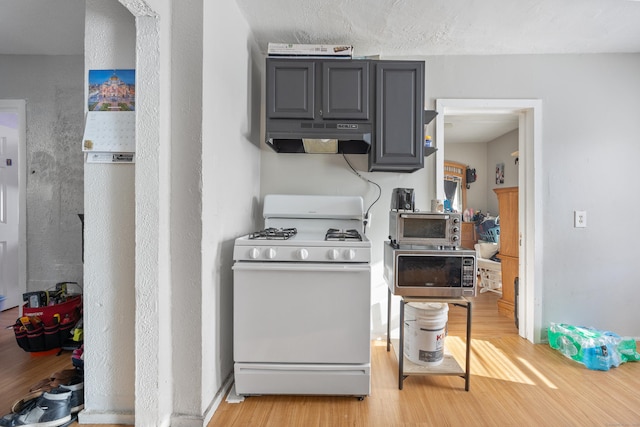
(529, 113)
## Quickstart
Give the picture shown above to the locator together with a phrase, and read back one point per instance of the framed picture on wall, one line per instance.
(500, 173)
(112, 90)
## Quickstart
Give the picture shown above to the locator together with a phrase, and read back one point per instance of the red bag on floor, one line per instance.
(49, 326)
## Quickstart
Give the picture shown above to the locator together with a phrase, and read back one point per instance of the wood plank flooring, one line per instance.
(513, 383)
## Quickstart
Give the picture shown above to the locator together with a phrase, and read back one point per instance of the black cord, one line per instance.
(366, 214)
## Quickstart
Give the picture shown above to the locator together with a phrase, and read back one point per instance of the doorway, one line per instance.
(13, 254)
(529, 114)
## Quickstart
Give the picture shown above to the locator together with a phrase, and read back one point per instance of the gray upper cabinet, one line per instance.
(345, 90)
(399, 121)
(369, 106)
(293, 85)
(290, 89)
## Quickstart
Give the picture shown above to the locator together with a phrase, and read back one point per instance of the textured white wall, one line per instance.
(499, 151)
(590, 106)
(109, 241)
(231, 91)
(183, 281)
(154, 122)
(589, 144)
(54, 91)
(189, 334)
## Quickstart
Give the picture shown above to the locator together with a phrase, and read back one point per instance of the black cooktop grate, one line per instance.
(335, 234)
(274, 234)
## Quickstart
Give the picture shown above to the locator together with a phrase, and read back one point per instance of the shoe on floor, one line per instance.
(49, 410)
(76, 403)
(61, 377)
(20, 404)
(75, 384)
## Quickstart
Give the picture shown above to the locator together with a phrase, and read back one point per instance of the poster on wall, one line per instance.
(112, 90)
(500, 173)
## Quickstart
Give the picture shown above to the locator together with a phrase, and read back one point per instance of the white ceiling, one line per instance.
(388, 28)
(450, 27)
(374, 27)
(474, 128)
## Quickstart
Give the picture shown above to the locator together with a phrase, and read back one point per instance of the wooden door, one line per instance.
(509, 247)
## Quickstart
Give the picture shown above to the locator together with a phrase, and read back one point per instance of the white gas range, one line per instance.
(302, 298)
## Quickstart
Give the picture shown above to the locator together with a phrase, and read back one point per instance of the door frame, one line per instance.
(18, 106)
(529, 112)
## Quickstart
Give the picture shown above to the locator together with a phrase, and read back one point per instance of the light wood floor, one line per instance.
(513, 383)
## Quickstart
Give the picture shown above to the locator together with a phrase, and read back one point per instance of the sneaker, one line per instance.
(74, 384)
(76, 404)
(73, 419)
(61, 377)
(49, 410)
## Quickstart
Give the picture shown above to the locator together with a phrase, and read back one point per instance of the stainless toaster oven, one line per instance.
(425, 228)
(421, 271)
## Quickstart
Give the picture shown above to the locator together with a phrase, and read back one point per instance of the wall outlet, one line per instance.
(579, 219)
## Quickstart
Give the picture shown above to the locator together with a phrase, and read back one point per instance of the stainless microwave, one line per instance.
(421, 271)
(425, 228)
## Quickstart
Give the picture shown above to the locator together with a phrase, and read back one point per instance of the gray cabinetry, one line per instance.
(345, 90)
(308, 89)
(348, 106)
(290, 89)
(399, 121)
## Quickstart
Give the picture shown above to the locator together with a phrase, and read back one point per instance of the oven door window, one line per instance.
(425, 228)
(429, 271)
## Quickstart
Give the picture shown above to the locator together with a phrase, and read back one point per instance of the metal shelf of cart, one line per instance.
(449, 365)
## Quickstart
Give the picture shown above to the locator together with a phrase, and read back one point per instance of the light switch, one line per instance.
(579, 219)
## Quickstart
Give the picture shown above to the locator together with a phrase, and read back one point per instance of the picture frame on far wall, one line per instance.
(500, 173)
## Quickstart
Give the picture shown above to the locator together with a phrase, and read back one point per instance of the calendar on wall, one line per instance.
(110, 132)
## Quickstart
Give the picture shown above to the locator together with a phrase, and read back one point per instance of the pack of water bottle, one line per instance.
(596, 349)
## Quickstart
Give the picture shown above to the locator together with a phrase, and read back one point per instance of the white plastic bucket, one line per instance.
(425, 327)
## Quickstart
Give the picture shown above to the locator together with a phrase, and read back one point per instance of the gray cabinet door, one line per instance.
(345, 90)
(290, 89)
(399, 120)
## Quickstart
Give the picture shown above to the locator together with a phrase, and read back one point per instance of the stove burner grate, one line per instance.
(274, 233)
(335, 234)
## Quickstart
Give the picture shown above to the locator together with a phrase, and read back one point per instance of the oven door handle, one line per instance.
(316, 268)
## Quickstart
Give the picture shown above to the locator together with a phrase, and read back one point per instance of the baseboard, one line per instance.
(218, 398)
(96, 417)
(178, 420)
(128, 418)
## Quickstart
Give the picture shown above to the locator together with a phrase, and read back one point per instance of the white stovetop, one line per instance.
(305, 239)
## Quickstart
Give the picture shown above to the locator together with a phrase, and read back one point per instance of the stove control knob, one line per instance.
(271, 253)
(303, 254)
(349, 254)
(254, 253)
(334, 254)
(455, 229)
